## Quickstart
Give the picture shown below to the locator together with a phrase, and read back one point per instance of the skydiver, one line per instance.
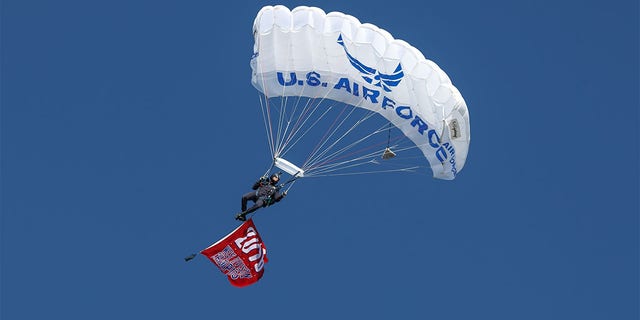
(267, 192)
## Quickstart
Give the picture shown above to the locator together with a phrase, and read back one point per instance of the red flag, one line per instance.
(240, 255)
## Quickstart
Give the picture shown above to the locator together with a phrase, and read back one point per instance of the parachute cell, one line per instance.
(305, 61)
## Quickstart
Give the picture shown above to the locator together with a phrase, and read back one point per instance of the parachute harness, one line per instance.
(289, 182)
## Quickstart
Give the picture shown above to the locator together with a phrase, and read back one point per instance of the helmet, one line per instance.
(274, 178)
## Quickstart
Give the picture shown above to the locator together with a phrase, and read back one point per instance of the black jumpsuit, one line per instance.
(265, 194)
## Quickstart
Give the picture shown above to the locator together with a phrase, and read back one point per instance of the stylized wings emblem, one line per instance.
(371, 75)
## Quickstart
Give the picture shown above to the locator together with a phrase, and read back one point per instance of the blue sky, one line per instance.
(129, 130)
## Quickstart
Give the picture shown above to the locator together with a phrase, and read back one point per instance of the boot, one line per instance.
(241, 216)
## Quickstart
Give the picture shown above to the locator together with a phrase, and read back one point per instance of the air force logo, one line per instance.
(371, 75)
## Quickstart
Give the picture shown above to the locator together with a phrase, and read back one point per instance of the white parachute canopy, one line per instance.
(333, 90)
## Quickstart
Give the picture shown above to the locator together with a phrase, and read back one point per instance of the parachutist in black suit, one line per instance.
(266, 192)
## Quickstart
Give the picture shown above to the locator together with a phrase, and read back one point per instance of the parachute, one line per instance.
(342, 97)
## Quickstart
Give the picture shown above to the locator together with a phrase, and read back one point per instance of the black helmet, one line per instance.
(274, 178)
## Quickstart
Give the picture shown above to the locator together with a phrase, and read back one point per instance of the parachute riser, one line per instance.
(292, 179)
(266, 174)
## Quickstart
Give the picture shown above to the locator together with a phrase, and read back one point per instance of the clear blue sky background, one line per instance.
(130, 129)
